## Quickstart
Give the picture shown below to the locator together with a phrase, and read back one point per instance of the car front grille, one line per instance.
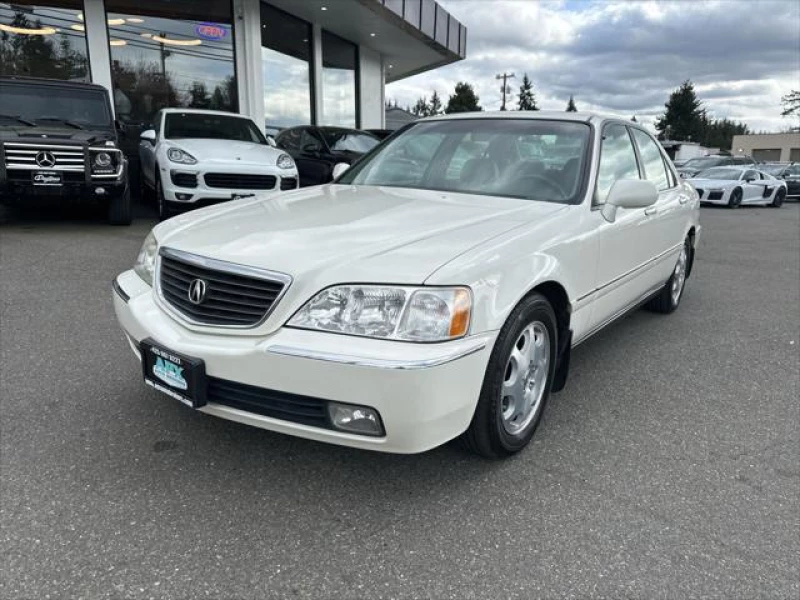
(269, 403)
(288, 183)
(186, 180)
(715, 195)
(22, 156)
(235, 296)
(240, 181)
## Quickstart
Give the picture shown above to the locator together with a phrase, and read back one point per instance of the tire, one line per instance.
(164, 212)
(780, 196)
(736, 198)
(119, 209)
(493, 432)
(670, 295)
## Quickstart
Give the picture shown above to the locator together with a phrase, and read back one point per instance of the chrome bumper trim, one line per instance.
(378, 363)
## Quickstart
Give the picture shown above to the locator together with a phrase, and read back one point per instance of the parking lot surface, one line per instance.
(669, 466)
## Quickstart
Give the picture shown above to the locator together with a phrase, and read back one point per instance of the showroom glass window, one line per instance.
(339, 77)
(286, 66)
(44, 39)
(170, 53)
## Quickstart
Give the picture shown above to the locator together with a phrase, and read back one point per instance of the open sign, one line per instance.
(210, 31)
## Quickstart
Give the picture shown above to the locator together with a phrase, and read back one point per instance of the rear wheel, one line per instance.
(119, 208)
(670, 295)
(517, 382)
(736, 198)
(780, 196)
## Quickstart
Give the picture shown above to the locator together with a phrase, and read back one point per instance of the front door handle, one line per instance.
(651, 210)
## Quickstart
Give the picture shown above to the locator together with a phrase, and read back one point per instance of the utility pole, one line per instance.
(505, 89)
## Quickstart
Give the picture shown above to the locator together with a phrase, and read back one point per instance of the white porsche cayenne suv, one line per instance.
(193, 158)
(434, 290)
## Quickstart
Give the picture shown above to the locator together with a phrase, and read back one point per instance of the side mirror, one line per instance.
(749, 179)
(629, 193)
(271, 141)
(339, 169)
(148, 136)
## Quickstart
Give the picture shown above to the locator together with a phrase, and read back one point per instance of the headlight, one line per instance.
(395, 313)
(146, 261)
(177, 155)
(102, 159)
(285, 162)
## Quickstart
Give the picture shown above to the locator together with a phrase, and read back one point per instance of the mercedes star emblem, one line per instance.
(197, 291)
(45, 159)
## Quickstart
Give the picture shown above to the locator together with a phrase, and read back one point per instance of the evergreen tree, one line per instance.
(633, 118)
(571, 105)
(435, 106)
(684, 118)
(463, 100)
(527, 99)
(421, 107)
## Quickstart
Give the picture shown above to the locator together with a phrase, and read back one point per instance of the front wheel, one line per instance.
(517, 382)
(670, 295)
(736, 198)
(161, 203)
(780, 196)
(120, 211)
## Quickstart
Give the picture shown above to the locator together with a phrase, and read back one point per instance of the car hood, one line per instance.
(228, 151)
(338, 234)
(55, 133)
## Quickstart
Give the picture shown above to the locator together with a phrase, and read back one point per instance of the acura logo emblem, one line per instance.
(45, 159)
(197, 291)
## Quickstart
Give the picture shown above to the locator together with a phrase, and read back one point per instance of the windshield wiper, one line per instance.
(65, 121)
(18, 119)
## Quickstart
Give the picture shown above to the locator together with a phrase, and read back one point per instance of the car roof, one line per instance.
(51, 82)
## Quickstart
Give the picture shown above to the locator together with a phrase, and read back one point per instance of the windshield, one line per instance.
(702, 163)
(516, 158)
(44, 106)
(773, 169)
(345, 140)
(211, 127)
(720, 173)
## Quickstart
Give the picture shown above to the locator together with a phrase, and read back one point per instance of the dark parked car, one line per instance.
(59, 145)
(317, 149)
(790, 173)
(693, 166)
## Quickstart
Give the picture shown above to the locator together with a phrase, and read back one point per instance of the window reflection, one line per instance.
(43, 40)
(339, 59)
(285, 60)
(617, 160)
(176, 53)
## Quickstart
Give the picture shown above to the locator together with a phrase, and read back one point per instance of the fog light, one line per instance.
(355, 419)
(99, 191)
(183, 197)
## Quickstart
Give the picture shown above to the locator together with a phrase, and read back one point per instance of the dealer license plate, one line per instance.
(177, 375)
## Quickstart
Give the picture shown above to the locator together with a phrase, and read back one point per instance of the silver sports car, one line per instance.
(734, 186)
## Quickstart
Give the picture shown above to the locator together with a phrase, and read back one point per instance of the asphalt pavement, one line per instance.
(669, 467)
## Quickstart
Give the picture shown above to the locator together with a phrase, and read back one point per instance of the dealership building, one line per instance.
(282, 62)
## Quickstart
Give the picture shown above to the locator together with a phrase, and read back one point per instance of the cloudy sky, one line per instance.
(625, 57)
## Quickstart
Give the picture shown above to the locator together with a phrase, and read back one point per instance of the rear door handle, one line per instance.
(651, 210)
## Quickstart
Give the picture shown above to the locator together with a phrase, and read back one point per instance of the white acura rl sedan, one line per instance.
(434, 290)
(192, 158)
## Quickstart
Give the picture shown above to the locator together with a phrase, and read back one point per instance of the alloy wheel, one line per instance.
(525, 378)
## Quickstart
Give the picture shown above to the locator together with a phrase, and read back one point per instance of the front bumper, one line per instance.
(185, 186)
(425, 393)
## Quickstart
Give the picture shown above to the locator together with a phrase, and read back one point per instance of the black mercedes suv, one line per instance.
(59, 144)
